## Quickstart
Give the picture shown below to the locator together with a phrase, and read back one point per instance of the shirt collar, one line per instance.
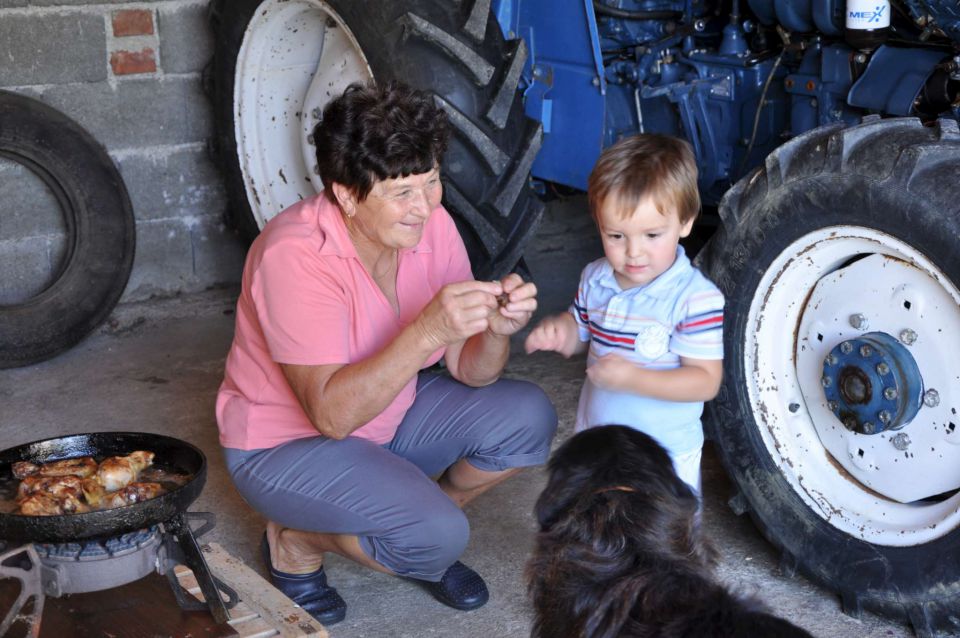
(659, 288)
(336, 238)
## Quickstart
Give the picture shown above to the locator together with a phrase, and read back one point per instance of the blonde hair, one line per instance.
(648, 165)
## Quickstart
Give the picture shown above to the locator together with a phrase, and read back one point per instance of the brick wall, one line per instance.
(129, 73)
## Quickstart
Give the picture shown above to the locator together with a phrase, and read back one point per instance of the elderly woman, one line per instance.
(331, 426)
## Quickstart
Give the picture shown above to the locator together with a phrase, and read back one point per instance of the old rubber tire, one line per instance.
(100, 231)
(273, 71)
(871, 215)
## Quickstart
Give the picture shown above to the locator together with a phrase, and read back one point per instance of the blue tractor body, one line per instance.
(735, 85)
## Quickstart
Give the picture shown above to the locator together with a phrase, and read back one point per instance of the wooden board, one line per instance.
(257, 596)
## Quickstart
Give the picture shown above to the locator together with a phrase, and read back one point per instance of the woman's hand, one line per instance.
(459, 311)
(514, 307)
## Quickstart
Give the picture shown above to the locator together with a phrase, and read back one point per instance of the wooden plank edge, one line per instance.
(283, 614)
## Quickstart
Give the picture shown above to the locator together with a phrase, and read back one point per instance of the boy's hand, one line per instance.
(554, 334)
(613, 372)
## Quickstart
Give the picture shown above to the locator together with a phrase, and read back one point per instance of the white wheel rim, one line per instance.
(296, 55)
(798, 313)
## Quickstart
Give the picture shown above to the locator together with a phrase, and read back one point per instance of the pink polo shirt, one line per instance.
(306, 299)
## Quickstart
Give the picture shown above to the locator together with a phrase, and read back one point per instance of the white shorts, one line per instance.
(687, 467)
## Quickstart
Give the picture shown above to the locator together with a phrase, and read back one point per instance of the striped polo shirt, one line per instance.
(678, 314)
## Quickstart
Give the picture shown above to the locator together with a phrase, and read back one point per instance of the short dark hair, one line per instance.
(376, 132)
(661, 167)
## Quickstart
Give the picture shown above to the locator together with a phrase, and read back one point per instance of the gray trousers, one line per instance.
(384, 494)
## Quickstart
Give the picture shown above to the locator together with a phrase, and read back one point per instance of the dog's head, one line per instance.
(620, 552)
(624, 482)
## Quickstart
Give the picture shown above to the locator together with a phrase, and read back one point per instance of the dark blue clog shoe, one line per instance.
(310, 591)
(460, 588)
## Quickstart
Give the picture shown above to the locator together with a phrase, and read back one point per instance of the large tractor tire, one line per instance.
(278, 62)
(837, 418)
(99, 231)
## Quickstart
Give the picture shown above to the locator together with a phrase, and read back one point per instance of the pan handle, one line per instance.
(182, 548)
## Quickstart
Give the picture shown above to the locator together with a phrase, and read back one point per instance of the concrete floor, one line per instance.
(155, 367)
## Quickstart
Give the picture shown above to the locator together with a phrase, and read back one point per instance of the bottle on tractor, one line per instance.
(826, 135)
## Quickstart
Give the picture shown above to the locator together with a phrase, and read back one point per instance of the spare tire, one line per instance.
(278, 62)
(99, 228)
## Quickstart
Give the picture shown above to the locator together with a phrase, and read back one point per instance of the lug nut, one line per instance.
(884, 417)
(931, 398)
(850, 423)
(908, 336)
(832, 405)
(859, 321)
(865, 351)
(901, 441)
(826, 381)
(831, 359)
(883, 368)
(846, 347)
(890, 394)
(867, 427)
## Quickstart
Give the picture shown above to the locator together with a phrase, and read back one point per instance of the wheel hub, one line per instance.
(872, 383)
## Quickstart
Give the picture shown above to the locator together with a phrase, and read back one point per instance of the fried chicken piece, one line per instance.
(71, 504)
(116, 472)
(58, 487)
(40, 504)
(93, 491)
(133, 493)
(141, 459)
(82, 466)
(22, 469)
(51, 495)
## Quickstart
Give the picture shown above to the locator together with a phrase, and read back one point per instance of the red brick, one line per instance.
(131, 62)
(133, 22)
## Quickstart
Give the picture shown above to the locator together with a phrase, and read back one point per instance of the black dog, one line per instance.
(620, 552)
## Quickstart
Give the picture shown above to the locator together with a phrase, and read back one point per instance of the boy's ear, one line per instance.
(687, 226)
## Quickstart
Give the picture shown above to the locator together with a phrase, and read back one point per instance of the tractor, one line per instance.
(827, 142)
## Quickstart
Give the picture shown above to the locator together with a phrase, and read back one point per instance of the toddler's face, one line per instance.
(642, 246)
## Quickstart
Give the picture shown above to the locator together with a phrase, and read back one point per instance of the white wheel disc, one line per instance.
(296, 55)
(861, 484)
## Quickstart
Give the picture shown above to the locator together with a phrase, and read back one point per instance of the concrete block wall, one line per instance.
(130, 74)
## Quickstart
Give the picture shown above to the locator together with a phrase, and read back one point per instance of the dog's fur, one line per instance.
(620, 552)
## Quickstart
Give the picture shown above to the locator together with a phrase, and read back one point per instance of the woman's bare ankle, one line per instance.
(289, 553)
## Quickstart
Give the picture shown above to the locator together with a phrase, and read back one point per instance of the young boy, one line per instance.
(653, 322)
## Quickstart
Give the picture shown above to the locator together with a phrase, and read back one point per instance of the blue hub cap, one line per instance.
(872, 383)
